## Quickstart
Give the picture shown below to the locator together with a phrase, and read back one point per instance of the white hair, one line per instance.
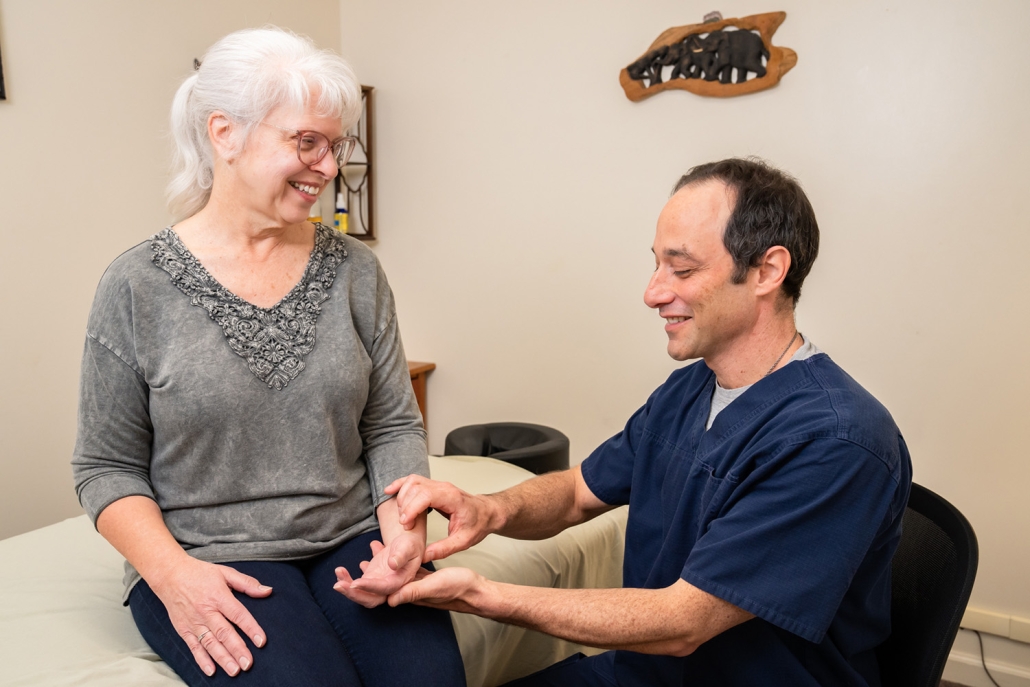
(246, 75)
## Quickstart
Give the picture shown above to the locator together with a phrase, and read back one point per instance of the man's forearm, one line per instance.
(543, 506)
(670, 621)
(538, 508)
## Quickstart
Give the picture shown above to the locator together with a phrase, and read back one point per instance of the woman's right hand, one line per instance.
(203, 610)
(197, 595)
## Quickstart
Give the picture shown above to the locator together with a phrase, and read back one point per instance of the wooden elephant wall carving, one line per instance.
(715, 58)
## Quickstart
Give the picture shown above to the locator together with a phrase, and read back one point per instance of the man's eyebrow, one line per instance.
(678, 253)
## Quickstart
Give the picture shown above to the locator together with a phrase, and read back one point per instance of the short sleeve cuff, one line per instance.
(103, 490)
(395, 461)
(594, 483)
(773, 617)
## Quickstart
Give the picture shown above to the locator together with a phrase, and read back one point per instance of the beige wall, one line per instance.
(83, 159)
(519, 189)
(518, 194)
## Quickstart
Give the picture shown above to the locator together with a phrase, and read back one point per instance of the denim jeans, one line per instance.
(578, 670)
(315, 635)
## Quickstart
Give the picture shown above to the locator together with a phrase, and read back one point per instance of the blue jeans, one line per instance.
(578, 670)
(315, 635)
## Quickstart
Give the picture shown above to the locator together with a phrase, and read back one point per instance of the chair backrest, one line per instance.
(932, 576)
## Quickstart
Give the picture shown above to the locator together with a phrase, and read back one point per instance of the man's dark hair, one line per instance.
(770, 210)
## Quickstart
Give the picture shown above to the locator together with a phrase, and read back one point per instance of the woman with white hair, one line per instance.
(245, 398)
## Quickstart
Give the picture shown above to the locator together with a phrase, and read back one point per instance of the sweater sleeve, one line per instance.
(391, 428)
(112, 449)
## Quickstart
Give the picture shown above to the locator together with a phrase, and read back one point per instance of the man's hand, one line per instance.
(469, 516)
(450, 589)
(390, 569)
(203, 610)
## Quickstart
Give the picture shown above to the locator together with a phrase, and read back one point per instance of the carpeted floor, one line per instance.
(945, 683)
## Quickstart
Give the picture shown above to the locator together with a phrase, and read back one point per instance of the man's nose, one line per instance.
(656, 294)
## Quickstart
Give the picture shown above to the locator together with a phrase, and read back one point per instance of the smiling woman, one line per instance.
(219, 448)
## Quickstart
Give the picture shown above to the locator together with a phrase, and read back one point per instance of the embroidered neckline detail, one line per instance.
(273, 340)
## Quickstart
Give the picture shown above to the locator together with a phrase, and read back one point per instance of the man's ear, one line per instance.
(220, 131)
(772, 270)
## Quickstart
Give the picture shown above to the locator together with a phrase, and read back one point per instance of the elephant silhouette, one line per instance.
(646, 66)
(711, 45)
(740, 50)
(712, 57)
(671, 56)
(691, 58)
(650, 65)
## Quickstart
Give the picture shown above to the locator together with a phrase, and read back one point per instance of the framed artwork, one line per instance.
(355, 183)
(3, 93)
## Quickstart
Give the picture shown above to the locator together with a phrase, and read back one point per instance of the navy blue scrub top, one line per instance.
(789, 507)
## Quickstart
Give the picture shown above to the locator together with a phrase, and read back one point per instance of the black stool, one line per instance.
(536, 448)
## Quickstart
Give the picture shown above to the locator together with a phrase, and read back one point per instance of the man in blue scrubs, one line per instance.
(765, 486)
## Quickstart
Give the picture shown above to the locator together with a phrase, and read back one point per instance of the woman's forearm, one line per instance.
(390, 525)
(135, 527)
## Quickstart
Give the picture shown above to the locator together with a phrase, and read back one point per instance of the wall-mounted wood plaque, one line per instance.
(716, 58)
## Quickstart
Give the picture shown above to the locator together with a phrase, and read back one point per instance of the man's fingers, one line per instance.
(447, 546)
(403, 488)
(395, 486)
(413, 505)
(416, 496)
(404, 595)
(412, 592)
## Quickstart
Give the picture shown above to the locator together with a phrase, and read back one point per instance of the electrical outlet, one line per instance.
(985, 621)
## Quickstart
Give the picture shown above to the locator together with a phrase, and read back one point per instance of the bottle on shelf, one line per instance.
(341, 216)
(315, 213)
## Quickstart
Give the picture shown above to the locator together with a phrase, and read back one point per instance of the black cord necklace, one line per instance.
(796, 332)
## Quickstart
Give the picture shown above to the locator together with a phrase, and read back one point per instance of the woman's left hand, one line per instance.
(391, 568)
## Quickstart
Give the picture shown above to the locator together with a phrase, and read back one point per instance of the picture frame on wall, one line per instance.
(3, 93)
(355, 184)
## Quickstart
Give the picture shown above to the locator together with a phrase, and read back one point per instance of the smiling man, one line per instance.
(765, 486)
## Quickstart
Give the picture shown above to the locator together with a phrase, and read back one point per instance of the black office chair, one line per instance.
(933, 572)
(536, 448)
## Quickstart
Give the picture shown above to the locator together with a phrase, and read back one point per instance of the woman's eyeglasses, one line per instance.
(312, 146)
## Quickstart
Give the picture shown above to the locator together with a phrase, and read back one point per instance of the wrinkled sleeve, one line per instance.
(391, 428)
(112, 449)
(790, 539)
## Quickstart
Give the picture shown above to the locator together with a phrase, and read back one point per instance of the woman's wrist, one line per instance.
(390, 526)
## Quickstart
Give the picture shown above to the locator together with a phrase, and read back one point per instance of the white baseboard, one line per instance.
(965, 668)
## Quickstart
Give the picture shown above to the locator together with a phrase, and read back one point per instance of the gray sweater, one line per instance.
(262, 434)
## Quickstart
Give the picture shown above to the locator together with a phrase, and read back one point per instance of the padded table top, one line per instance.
(62, 622)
